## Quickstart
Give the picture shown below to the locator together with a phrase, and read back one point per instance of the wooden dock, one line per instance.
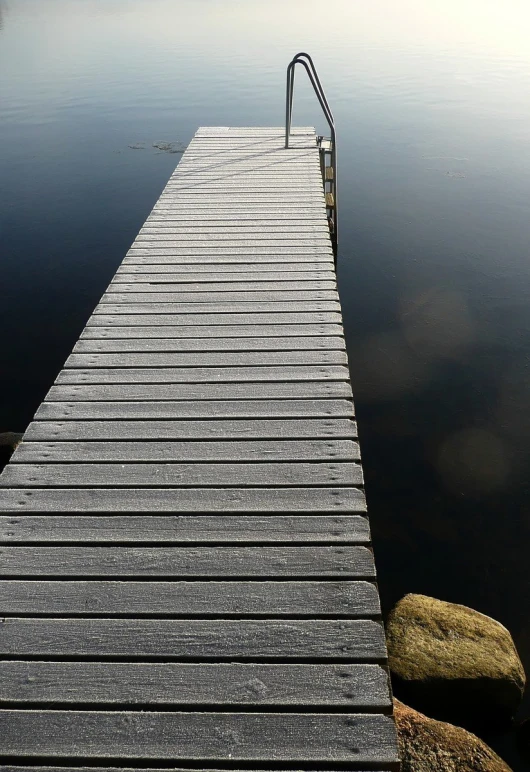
(186, 573)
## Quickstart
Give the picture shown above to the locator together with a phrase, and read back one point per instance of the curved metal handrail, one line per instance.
(317, 86)
(307, 62)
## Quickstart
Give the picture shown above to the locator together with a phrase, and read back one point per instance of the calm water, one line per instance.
(431, 102)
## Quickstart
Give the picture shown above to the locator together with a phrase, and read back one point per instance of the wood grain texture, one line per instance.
(92, 768)
(115, 332)
(180, 598)
(221, 562)
(207, 684)
(214, 343)
(222, 429)
(200, 500)
(252, 640)
(292, 408)
(260, 306)
(233, 375)
(208, 358)
(213, 321)
(182, 529)
(204, 451)
(165, 274)
(174, 474)
(226, 296)
(288, 737)
(200, 391)
(137, 284)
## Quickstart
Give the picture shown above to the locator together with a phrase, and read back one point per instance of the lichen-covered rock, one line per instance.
(426, 745)
(453, 662)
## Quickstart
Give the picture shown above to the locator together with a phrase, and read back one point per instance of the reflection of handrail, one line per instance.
(307, 62)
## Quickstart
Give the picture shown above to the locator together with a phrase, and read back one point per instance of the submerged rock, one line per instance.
(426, 745)
(453, 661)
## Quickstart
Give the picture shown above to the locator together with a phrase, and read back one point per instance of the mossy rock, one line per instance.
(453, 661)
(426, 745)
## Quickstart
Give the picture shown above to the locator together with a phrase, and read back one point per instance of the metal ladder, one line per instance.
(327, 145)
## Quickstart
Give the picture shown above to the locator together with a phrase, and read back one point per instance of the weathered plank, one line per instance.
(215, 307)
(212, 264)
(138, 285)
(174, 474)
(77, 768)
(249, 251)
(182, 529)
(350, 686)
(279, 229)
(210, 358)
(278, 374)
(163, 213)
(226, 296)
(293, 408)
(115, 332)
(161, 275)
(213, 343)
(175, 500)
(192, 430)
(199, 391)
(162, 450)
(213, 320)
(220, 562)
(194, 639)
(218, 598)
(288, 737)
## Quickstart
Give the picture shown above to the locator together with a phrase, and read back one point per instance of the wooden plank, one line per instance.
(225, 296)
(160, 598)
(216, 261)
(271, 271)
(174, 474)
(176, 500)
(164, 214)
(199, 391)
(213, 343)
(228, 241)
(288, 737)
(216, 232)
(228, 562)
(285, 210)
(202, 374)
(192, 430)
(251, 409)
(92, 768)
(218, 252)
(161, 275)
(183, 529)
(113, 683)
(101, 319)
(217, 287)
(195, 639)
(131, 308)
(162, 450)
(115, 332)
(209, 358)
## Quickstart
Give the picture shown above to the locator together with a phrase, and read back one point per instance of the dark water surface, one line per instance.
(431, 102)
